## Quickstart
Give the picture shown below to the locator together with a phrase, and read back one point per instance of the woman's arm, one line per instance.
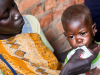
(62, 56)
(76, 65)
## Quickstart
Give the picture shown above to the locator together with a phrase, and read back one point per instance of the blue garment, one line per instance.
(94, 6)
(27, 26)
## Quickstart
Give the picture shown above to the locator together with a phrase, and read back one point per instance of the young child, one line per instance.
(79, 31)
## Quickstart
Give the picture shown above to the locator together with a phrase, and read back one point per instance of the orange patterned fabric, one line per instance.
(27, 55)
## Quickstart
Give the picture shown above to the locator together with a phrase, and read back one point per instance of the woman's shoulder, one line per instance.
(30, 17)
(33, 21)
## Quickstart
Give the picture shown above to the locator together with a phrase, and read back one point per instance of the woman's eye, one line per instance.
(13, 5)
(6, 14)
(83, 33)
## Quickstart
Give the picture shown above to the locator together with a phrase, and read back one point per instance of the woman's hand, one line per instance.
(77, 65)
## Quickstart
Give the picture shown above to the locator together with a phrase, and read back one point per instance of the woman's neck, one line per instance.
(6, 36)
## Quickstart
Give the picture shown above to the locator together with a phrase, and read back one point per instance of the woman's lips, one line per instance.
(21, 24)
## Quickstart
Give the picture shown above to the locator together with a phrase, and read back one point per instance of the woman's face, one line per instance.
(11, 21)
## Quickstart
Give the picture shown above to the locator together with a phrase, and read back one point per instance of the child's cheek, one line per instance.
(72, 43)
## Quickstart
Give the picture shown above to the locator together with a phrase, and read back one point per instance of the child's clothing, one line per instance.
(95, 66)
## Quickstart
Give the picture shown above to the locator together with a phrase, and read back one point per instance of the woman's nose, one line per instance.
(16, 17)
(16, 14)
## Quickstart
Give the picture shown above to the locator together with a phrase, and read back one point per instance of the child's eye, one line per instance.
(83, 33)
(71, 37)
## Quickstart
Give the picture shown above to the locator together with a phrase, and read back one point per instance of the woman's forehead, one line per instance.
(4, 4)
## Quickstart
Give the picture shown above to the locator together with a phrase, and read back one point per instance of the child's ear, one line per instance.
(94, 30)
(65, 34)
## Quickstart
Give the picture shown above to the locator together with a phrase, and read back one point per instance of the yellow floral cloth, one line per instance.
(27, 55)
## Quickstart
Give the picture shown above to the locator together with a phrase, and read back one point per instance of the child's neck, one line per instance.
(94, 47)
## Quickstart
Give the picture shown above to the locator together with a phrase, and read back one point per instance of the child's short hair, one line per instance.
(77, 12)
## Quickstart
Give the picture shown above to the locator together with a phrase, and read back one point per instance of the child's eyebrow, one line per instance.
(82, 30)
(67, 34)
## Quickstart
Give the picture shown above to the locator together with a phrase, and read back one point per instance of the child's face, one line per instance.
(11, 21)
(79, 34)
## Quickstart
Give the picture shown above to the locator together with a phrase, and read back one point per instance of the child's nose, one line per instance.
(79, 40)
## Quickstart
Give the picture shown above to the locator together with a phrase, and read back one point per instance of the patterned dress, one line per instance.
(26, 54)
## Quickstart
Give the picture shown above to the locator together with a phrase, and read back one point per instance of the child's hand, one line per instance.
(76, 65)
